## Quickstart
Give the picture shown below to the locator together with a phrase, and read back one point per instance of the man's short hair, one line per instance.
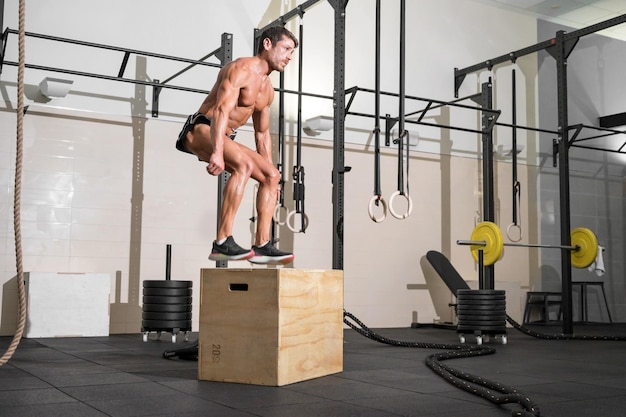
(275, 34)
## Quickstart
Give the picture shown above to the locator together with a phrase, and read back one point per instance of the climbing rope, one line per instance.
(17, 190)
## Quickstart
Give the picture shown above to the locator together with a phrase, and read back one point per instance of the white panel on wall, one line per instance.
(67, 305)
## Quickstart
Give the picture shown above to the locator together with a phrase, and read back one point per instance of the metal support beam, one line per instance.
(339, 169)
(3, 44)
(225, 56)
(489, 212)
(563, 49)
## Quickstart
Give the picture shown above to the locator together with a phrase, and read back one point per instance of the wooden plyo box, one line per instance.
(270, 326)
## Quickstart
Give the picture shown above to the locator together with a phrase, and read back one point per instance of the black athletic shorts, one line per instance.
(192, 120)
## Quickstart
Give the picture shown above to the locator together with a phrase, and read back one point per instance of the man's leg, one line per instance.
(243, 163)
(224, 246)
(266, 199)
(264, 250)
(233, 194)
(268, 177)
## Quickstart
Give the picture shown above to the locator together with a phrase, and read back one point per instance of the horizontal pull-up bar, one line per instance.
(461, 129)
(453, 103)
(111, 48)
(107, 77)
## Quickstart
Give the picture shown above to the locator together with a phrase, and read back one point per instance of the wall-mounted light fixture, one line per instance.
(506, 151)
(319, 123)
(55, 87)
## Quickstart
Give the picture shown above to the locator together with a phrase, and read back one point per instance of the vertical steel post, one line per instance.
(562, 52)
(339, 168)
(488, 192)
(225, 56)
(2, 36)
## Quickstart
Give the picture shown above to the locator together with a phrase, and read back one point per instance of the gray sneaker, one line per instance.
(269, 255)
(230, 251)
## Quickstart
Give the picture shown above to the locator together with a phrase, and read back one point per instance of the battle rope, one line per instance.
(492, 391)
(377, 199)
(18, 189)
(538, 335)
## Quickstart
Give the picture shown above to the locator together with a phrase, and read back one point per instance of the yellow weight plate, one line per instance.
(588, 247)
(489, 233)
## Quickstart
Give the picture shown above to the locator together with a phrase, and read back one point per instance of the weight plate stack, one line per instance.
(166, 306)
(481, 311)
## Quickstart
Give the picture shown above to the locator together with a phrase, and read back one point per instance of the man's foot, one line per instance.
(230, 251)
(269, 255)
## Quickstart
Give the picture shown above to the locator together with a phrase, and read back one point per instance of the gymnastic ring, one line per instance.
(513, 226)
(293, 229)
(408, 210)
(370, 209)
(277, 215)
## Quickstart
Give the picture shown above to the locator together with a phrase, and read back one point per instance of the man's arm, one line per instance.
(262, 136)
(226, 100)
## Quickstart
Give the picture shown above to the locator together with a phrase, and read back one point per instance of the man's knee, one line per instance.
(273, 177)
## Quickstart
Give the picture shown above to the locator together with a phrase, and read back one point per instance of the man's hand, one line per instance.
(216, 164)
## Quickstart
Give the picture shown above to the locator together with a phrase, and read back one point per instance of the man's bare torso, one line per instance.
(255, 91)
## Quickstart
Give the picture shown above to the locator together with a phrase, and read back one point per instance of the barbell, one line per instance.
(487, 237)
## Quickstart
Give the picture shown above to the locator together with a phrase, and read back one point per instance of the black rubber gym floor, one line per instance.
(122, 376)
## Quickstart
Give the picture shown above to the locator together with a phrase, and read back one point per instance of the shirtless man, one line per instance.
(243, 89)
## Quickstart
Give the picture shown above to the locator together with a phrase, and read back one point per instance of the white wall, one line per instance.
(79, 159)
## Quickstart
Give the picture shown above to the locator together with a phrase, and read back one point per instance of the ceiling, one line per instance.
(573, 13)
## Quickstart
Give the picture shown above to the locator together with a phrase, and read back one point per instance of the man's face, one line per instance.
(280, 53)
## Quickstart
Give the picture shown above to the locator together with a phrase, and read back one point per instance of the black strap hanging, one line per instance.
(377, 199)
(402, 133)
(298, 169)
(516, 190)
(281, 154)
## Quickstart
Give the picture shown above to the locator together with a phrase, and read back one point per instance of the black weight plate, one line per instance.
(462, 301)
(167, 284)
(502, 306)
(483, 313)
(481, 320)
(148, 315)
(499, 314)
(166, 308)
(465, 318)
(480, 300)
(168, 292)
(165, 324)
(480, 297)
(470, 310)
(481, 303)
(154, 299)
(464, 327)
(480, 292)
